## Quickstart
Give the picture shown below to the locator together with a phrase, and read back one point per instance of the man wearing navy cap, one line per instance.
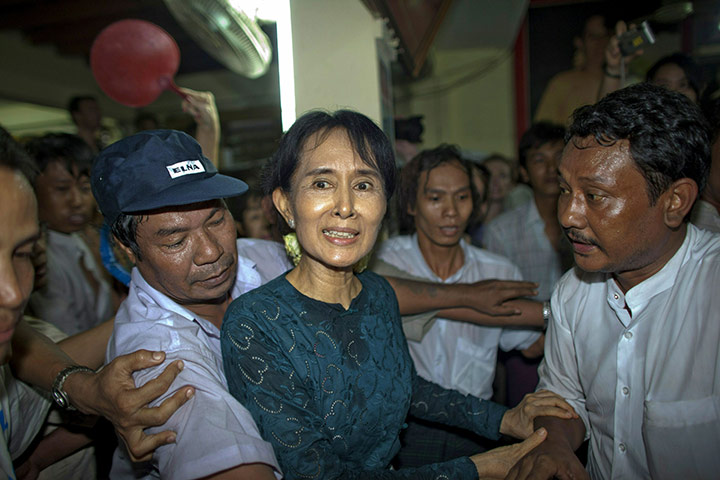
(163, 201)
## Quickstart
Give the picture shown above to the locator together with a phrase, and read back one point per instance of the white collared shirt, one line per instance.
(646, 382)
(69, 301)
(519, 235)
(214, 431)
(458, 355)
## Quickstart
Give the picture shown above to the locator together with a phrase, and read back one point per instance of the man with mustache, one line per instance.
(634, 342)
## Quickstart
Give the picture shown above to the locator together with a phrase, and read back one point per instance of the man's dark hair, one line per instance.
(693, 72)
(425, 161)
(668, 135)
(69, 149)
(13, 157)
(124, 230)
(74, 103)
(366, 138)
(536, 136)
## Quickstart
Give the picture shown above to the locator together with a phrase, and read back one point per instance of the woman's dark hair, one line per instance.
(536, 136)
(425, 161)
(668, 135)
(64, 147)
(692, 70)
(367, 139)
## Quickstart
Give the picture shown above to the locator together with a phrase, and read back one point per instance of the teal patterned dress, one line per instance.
(331, 388)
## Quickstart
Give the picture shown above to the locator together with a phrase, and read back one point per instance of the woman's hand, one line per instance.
(518, 422)
(497, 463)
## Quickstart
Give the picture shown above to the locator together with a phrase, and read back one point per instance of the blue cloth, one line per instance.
(331, 388)
(108, 257)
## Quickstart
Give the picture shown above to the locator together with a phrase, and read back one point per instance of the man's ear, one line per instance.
(679, 199)
(282, 203)
(126, 250)
(524, 177)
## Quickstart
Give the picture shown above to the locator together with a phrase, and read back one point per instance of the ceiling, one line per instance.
(70, 26)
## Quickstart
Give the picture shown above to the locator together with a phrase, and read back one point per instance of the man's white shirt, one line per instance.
(642, 369)
(458, 355)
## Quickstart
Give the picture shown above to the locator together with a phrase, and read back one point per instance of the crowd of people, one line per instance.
(346, 319)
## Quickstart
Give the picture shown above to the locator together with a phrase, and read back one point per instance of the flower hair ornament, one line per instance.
(294, 251)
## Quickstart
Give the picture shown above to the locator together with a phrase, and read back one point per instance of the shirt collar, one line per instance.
(247, 278)
(638, 297)
(66, 241)
(420, 260)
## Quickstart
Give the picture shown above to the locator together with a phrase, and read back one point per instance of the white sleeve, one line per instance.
(559, 369)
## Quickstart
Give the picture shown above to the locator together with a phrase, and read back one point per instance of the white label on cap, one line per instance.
(185, 168)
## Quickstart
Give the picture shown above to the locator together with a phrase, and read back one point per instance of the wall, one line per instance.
(467, 100)
(335, 56)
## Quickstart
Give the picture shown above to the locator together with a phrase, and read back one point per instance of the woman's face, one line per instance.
(336, 201)
(500, 179)
(672, 77)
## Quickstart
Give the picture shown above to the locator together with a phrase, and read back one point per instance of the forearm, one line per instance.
(208, 136)
(88, 348)
(418, 297)
(531, 315)
(59, 444)
(36, 360)
(609, 83)
(450, 407)
(568, 433)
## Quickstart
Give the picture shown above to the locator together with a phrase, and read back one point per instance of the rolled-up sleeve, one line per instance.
(559, 369)
(214, 431)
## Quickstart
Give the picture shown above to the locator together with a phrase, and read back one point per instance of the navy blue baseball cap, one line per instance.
(154, 169)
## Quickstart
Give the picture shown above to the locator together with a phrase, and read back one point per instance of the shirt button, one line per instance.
(625, 390)
(628, 335)
(621, 447)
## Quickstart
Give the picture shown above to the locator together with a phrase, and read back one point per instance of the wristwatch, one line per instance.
(58, 394)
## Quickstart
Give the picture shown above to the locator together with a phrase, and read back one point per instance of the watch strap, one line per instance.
(58, 393)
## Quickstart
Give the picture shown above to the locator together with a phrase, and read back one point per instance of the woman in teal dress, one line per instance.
(318, 355)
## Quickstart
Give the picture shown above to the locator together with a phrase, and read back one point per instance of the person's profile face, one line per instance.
(443, 206)
(595, 38)
(188, 253)
(337, 202)
(672, 77)
(65, 198)
(541, 167)
(604, 209)
(501, 181)
(18, 216)
(254, 222)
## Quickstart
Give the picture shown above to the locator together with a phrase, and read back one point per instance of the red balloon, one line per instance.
(133, 61)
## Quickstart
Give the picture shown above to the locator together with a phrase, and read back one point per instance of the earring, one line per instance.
(291, 223)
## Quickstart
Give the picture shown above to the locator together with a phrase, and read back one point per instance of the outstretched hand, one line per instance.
(518, 422)
(489, 296)
(497, 463)
(112, 393)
